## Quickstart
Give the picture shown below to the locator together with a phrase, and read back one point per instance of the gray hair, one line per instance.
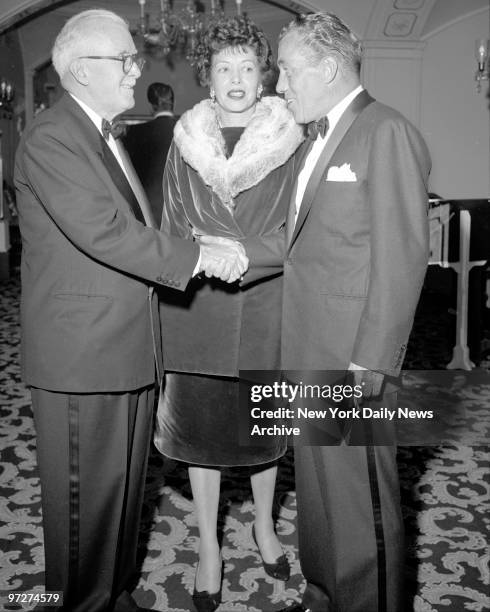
(324, 33)
(78, 35)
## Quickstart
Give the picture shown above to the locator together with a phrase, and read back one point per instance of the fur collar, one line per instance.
(267, 142)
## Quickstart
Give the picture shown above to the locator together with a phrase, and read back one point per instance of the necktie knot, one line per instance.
(116, 129)
(319, 127)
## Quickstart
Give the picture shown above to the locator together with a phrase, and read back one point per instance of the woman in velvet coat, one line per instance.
(228, 173)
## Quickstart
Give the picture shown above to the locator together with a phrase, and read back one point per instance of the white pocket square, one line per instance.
(342, 174)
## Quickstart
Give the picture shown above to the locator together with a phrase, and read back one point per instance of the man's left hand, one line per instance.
(371, 382)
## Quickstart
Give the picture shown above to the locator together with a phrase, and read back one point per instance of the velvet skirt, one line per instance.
(199, 422)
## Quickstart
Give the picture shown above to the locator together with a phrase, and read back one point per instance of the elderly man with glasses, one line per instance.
(91, 257)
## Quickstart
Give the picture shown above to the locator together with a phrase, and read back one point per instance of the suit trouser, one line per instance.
(350, 528)
(92, 454)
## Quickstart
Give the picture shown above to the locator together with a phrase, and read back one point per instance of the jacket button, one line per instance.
(177, 283)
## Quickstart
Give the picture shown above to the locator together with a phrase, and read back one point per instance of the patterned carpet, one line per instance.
(445, 495)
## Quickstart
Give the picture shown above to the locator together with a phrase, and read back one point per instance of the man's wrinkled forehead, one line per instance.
(291, 47)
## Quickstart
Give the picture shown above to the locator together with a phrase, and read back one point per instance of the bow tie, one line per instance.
(116, 129)
(318, 127)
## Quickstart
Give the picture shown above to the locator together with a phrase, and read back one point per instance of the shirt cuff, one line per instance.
(197, 269)
(354, 366)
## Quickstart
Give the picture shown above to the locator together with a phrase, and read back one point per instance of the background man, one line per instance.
(148, 143)
(88, 351)
(356, 254)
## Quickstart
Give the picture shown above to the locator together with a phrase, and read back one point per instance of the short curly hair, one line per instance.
(237, 31)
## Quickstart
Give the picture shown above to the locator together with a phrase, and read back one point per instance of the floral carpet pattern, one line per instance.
(445, 498)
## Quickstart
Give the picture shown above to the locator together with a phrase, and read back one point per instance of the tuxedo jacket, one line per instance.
(355, 263)
(87, 262)
(148, 144)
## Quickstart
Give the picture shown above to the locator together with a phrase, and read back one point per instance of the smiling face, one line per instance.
(303, 83)
(235, 78)
(110, 91)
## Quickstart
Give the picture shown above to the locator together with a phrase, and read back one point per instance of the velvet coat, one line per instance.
(214, 328)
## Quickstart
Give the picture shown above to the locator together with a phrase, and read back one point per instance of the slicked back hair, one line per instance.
(324, 33)
(160, 96)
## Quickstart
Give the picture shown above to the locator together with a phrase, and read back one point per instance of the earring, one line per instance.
(212, 95)
(260, 89)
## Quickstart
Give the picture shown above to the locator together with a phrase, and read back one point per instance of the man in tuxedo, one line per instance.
(356, 255)
(148, 143)
(91, 255)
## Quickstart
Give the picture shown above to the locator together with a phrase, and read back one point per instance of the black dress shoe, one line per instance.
(297, 607)
(204, 601)
(279, 569)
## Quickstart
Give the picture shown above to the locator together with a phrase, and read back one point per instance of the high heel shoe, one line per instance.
(280, 569)
(204, 601)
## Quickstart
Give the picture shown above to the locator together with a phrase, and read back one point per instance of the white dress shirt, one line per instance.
(317, 148)
(163, 114)
(97, 120)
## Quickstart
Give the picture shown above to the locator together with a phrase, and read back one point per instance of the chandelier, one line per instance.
(6, 98)
(177, 30)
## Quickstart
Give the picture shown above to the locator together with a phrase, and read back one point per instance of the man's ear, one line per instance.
(330, 66)
(79, 72)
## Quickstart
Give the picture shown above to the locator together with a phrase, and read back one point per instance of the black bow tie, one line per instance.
(318, 127)
(116, 129)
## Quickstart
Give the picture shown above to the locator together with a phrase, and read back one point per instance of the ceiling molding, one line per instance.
(448, 24)
(398, 19)
(21, 11)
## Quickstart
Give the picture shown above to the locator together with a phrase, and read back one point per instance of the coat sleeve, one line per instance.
(68, 184)
(174, 219)
(398, 169)
(266, 255)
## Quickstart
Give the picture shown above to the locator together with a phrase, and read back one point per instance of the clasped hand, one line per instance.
(223, 258)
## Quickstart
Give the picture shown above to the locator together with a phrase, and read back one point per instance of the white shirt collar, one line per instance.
(163, 114)
(338, 110)
(95, 117)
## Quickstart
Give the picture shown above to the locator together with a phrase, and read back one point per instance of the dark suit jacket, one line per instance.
(354, 268)
(148, 144)
(86, 261)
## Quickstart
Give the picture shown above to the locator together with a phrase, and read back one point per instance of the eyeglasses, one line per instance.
(127, 60)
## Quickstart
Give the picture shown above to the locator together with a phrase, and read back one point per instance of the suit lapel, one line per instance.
(298, 163)
(119, 178)
(96, 143)
(347, 119)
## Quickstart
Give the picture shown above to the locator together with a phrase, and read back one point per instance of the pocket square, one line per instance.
(342, 174)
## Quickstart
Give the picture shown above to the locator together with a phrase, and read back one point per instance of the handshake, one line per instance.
(223, 258)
